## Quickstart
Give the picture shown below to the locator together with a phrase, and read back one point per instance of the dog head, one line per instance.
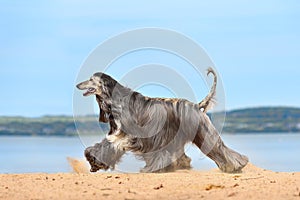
(99, 84)
(92, 86)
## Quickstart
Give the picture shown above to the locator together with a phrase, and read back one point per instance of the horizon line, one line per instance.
(91, 114)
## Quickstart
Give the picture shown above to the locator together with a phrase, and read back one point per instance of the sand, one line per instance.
(252, 183)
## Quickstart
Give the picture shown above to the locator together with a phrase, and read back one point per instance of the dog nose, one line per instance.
(78, 85)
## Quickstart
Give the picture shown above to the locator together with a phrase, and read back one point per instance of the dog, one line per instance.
(104, 156)
(154, 129)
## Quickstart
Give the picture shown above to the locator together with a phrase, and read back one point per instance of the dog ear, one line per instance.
(102, 116)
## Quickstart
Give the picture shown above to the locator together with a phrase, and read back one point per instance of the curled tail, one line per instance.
(209, 101)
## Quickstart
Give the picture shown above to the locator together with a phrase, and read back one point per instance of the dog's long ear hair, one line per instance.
(104, 110)
(107, 86)
(103, 116)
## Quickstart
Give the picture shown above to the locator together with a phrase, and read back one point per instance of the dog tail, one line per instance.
(209, 101)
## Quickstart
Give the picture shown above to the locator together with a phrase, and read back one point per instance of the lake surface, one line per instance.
(277, 152)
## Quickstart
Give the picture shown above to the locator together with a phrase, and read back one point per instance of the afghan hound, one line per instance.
(154, 129)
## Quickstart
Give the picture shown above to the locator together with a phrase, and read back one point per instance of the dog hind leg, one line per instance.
(164, 161)
(210, 143)
(157, 162)
(183, 162)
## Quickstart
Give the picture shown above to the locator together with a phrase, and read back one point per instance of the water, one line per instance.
(277, 152)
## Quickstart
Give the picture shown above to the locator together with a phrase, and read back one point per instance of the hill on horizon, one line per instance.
(263, 119)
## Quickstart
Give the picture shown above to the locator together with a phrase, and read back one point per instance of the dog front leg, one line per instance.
(103, 155)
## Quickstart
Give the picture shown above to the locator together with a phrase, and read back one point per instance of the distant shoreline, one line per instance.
(97, 135)
(264, 120)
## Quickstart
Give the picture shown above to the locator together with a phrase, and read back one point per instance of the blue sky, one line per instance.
(255, 46)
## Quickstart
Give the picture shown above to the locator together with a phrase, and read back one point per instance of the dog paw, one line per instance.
(94, 163)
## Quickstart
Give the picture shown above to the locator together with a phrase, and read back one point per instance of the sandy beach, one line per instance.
(252, 183)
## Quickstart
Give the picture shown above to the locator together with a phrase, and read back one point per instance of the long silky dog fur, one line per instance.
(105, 156)
(155, 129)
